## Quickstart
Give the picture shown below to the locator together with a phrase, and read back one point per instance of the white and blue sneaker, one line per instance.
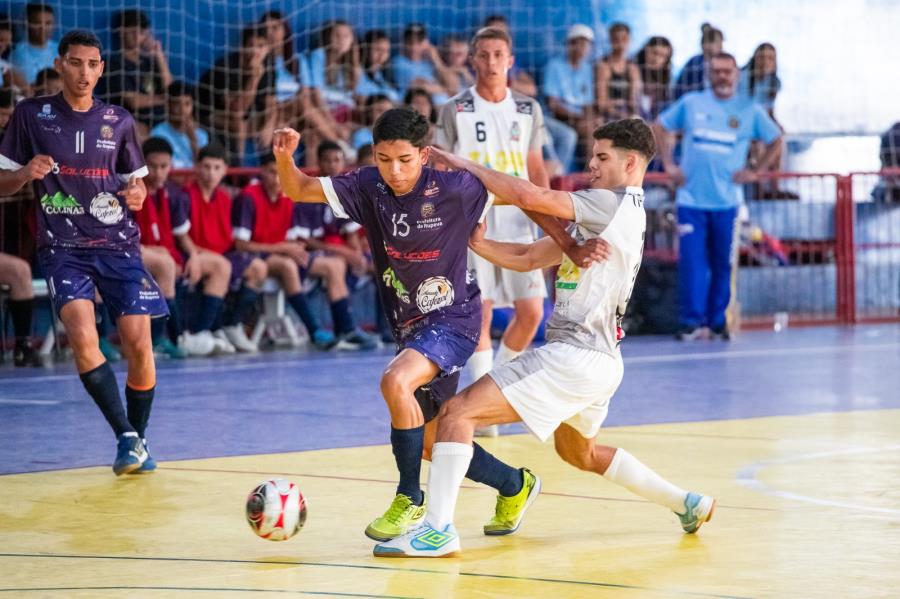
(130, 454)
(149, 464)
(697, 510)
(421, 541)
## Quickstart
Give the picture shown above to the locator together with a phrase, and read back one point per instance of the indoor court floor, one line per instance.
(797, 434)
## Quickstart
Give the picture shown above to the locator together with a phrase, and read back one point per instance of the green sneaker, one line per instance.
(400, 517)
(697, 510)
(164, 347)
(510, 510)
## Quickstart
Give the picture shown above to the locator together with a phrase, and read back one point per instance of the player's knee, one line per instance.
(335, 268)
(218, 265)
(256, 273)
(18, 274)
(395, 385)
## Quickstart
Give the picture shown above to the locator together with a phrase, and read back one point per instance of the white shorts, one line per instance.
(502, 286)
(559, 383)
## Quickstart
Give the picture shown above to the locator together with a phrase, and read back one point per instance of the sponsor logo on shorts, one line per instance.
(59, 203)
(106, 208)
(390, 280)
(434, 293)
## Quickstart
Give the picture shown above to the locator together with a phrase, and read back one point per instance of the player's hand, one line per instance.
(285, 142)
(676, 174)
(451, 161)
(38, 167)
(193, 270)
(296, 251)
(745, 176)
(477, 235)
(585, 254)
(134, 193)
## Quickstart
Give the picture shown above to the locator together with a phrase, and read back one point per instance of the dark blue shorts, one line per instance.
(442, 344)
(240, 262)
(120, 277)
(432, 396)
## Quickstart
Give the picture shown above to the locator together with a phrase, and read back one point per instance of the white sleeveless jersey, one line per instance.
(591, 302)
(498, 135)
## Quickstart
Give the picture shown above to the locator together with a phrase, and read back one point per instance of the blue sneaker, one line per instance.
(149, 464)
(323, 339)
(109, 351)
(357, 340)
(697, 510)
(130, 454)
(421, 541)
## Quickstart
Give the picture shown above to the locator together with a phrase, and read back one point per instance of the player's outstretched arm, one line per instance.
(522, 257)
(518, 192)
(296, 184)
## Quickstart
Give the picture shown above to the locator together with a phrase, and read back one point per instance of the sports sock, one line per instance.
(101, 385)
(301, 307)
(627, 471)
(480, 363)
(487, 469)
(449, 462)
(342, 317)
(209, 311)
(408, 444)
(173, 323)
(139, 404)
(505, 354)
(245, 300)
(21, 312)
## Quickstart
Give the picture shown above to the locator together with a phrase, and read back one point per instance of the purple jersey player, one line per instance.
(86, 165)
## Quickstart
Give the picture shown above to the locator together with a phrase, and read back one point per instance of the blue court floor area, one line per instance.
(291, 401)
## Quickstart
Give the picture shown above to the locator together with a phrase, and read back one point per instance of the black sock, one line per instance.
(101, 384)
(207, 313)
(485, 468)
(173, 324)
(21, 312)
(342, 317)
(139, 404)
(245, 300)
(301, 307)
(408, 444)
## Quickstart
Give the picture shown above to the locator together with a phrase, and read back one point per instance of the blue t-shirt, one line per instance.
(29, 60)
(375, 83)
(182, 156)
(574, 87)
(405, 71)
(286, 84)
(764, 90)
(717, 135)
(312, 75)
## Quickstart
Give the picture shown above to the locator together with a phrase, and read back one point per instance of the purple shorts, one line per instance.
(120, 277)
(442, 344)
(240, 262)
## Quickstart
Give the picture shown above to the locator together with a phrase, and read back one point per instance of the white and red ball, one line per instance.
(276, 510)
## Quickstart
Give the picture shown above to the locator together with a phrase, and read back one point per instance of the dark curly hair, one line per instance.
(401, 123)
(629, 134)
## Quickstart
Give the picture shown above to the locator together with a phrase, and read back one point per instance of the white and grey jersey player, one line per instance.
(498, 135)
(590, 302)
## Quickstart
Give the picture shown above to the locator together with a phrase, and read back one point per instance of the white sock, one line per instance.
(504, 354)
(480, 363)
(449, 463)
(627, 471)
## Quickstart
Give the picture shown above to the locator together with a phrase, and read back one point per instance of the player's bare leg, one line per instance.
(620, 467)
(522, 328)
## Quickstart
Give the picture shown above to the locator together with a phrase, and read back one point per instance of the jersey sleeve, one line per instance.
(674, 118)
(180, 209)
(243, 217)
(16, 149)
(594, 208)
(446, 127)
(476, 201)
(130, 161)
(764, 127)
(538, 128)
(345, 195)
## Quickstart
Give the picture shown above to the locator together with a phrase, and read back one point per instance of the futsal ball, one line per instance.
(276, 510)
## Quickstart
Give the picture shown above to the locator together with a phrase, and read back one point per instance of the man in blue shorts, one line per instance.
(417, 221)
(87, 168)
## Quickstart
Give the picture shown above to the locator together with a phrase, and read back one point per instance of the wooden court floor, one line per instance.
(809, 506)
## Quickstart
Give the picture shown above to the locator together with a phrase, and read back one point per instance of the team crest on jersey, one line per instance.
(46, 113)
(430, 190)
(106, 208)
(106, 141)
(106, 132)
(427, 210)
(515, 132)
(111, 115)
(434, 293)
(524, 108)
(466, 105)
(734, 122)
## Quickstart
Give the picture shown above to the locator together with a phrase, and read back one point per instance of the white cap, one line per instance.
(578, 31)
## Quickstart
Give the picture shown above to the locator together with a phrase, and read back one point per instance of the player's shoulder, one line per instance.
(599, 196)
(464, 101)
(453, 180)
(525, 104)
(40, 106)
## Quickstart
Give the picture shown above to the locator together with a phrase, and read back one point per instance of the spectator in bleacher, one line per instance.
(888, 189)
(211, 230)
(164, 221)
(375, 53)
(237, 96)
(6, 38)
(759, 78)
(38, 50)
(717, 128)
(618, 78)
(268, 224)
(374, 106)
(456, 57)
(519, 79)
(422, 102)
(47, 83)
(286, 61)
(15, 273)
(180, 129)
(11, 76)
(420, 66)
(569, 85)
(137, 74)
(654, 61)
(365, 156)
(7, 105)
(695, 76)
(331, 73)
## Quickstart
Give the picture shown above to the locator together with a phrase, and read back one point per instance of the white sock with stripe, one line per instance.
(505, 354)
(627, 471)
(449, 463)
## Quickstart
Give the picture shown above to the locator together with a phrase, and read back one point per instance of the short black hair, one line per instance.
(5, 23)
(130, 17)
(619, 26)
(79, 37)
(629, 134)
(180, 88)
(157, 145)
(401, 124)
(725, 56)
(32, 9)
(213, 150)
(491, 19)
(374, 98)
(267, 158)
(251, 32)
(364, 151)
(7, 98)
(45, 75)
(414, 32)
(327, 146)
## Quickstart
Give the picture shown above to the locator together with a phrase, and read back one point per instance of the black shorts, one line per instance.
(435, 393)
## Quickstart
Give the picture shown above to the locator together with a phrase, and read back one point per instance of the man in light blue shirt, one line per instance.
(180, 129)
(717, 127)
(38, 50)
(421, 66)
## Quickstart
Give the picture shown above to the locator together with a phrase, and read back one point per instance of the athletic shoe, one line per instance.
(237, 336)
(356, 340)
(492, 430)
(690, 333)
(149, 464)
(509, 511)
(166, 348)
(697, 510)
(323, 339)
(109, 351)
(197, 344)
(400, 517)
(130, 454)
(421, 541)
(720, 333)
(223, 345)
(25, 356)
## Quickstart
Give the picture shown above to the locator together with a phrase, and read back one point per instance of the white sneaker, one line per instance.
(421, 541)
(237, 336)
(492, 430)
(197, 344)
(223, 345)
